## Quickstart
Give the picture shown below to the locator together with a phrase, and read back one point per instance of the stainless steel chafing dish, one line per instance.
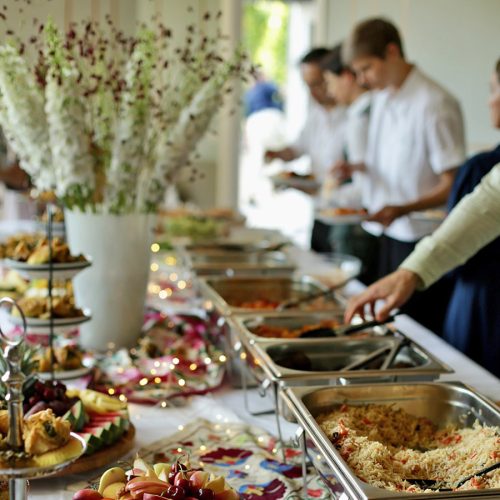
(443, 403)
(234, 262)
(221, 292)
(327, 360)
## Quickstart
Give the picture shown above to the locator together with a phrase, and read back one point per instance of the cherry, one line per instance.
(183, 483)
(206, 494)
(171, 476)
(176, 493)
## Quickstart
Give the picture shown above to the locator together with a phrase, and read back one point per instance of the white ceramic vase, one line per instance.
(114, 287)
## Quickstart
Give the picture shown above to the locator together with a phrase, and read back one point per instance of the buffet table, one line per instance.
(227, 404)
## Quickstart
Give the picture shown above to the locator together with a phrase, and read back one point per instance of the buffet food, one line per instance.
(175, 481)
(390, 448)
(39, 307)
(271, 331)
(46, 441)
(267, 304)
(68, 357)
(35, 250)
(342, 211)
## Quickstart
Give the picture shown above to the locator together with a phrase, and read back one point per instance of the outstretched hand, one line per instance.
(395, 289)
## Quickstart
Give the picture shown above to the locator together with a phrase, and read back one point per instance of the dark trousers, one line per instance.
(320, 237)
(428, 307)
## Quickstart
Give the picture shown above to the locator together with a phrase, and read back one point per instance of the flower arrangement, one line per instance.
(104, 119)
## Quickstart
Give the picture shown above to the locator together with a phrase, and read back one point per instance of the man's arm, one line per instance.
(436, 197)
(286, 154)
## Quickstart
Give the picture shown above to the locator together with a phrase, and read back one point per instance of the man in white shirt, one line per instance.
(344, 88)
(322, 137)
(415, 143)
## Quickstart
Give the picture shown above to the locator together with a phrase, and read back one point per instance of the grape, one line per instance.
(206, 494)
(176, 493)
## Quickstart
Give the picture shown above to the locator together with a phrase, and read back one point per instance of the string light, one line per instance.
(157, 380)
(175, 361)
(155, 247)
(181, 382)
(182, 284)
(173, 277)
(122, 398)
(222, 358)
(154, 267)
(111, 391)
(143, 381)
(207, 360)
(193, 367)
(163, 404)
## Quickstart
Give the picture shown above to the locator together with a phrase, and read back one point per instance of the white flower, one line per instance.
(23, 118)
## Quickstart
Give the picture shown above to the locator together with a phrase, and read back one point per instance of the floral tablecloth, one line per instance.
(247, 456)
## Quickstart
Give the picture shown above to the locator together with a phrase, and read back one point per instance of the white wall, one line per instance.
(457, 42)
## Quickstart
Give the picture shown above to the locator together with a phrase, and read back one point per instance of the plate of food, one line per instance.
(30, 255)
(66, 316)
(294, 180)
(342, 215)
(436, 216)
(69, 362)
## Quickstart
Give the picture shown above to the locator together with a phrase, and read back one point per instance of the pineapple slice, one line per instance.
(71, 450)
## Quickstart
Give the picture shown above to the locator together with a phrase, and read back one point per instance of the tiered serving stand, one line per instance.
(50, 271)
(13, 379)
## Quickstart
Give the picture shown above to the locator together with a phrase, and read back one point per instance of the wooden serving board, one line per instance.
(102, 457)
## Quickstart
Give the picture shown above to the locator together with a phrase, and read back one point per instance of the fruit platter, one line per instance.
(177, 481)
(176, 357)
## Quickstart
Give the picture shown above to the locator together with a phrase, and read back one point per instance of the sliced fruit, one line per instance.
(87, 494)
(113, 475)
(72, 449)
(98, 402)
(114, 490)
(100, 431)
(76, 416)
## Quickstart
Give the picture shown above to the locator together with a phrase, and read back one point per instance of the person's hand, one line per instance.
(396, 288)
(387, 215)
(342, 170)
(271, 155)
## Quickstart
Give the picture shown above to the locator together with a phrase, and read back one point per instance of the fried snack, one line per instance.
(43, 432)
(69, 357)
(38, 307)
(4, 422)
(270, 331)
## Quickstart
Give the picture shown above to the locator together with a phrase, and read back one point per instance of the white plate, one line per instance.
(61, 270)
(328, 218)
(429, 215)
(88, 364)
(42, 326)
(295, 182)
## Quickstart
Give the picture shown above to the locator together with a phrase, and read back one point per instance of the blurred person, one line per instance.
(415, 144)
(322, 137)
(264, 94)
(468, 238)
(344, 88)
(16, 204)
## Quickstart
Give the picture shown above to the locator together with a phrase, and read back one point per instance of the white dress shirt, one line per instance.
(416, 133)
(322, 138)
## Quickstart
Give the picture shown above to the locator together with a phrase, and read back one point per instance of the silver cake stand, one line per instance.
(13, 378)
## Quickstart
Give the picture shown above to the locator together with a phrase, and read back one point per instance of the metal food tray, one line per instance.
(220, 291)
(234, 262)
(443, 403)
(323, 361)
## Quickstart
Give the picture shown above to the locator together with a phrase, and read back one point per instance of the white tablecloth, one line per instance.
(228, 404)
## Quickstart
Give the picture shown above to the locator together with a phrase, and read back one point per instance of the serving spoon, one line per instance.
(432, 484)
(345, 329)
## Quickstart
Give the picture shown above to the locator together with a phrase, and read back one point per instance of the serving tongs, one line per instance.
(438, 485)
(288, 304)
(345, 329)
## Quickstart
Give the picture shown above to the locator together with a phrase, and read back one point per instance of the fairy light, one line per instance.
(122, 398)
(243, 355)
(247, 467)
(180, 427)
(111, 391)
(155, 248)
(260, 439)
(143, 381)
(179, 450)
(170, 260)
(154, 288)
(203, 447)
(193, 367)
(163, 404)
(173, 277)
(222, 358)
(207, 360)
(154, 267)
(182, 284)
(171, 366)
(157, 364)
(157, 380)
(175, 361)
(181, 382)
(163, 294)
(274, 451)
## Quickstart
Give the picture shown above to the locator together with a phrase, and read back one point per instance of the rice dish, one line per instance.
(385, 446)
